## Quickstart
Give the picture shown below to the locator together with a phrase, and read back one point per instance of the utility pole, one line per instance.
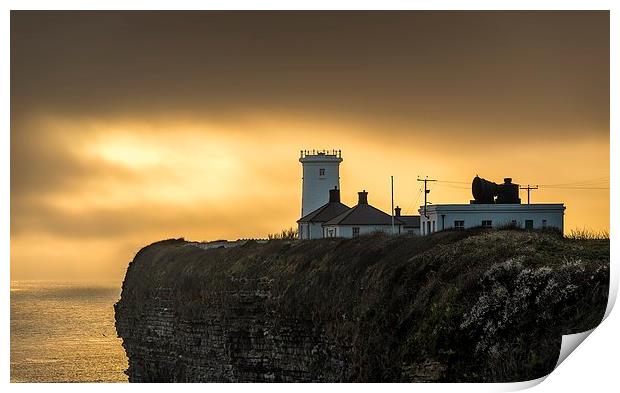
(528, 188)
(392, 178)
(426, 191)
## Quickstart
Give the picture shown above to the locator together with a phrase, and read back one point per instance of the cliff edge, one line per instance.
(475, 306)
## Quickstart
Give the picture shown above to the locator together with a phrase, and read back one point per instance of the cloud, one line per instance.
(42, 165)
(479, 72)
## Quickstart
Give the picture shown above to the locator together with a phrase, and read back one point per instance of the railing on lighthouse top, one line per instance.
(324, 152)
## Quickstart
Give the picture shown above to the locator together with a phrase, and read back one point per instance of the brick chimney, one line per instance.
(334, 195)
(397, 211)
(363, 198)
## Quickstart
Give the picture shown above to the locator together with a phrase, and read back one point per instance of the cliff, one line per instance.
(455, 306)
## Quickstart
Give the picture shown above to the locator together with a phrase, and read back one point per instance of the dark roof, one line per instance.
(363, 214)
(325, 212)
(410, 221)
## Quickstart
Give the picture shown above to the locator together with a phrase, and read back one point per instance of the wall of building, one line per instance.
(346, 231)
(318, 231)
(303, 230)
(312, 230)
(315, 230)
(499, 215)
(315, 187)
(410, 231)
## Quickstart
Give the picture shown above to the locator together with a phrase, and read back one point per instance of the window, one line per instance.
(356, 231)
(322, 172)
(331, 232)
(529, 224)
(428, 227)
(459, 224)
(544, 223)
(433, 226)
(487, 223)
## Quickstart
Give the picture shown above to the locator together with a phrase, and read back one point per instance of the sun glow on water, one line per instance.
(64, 332)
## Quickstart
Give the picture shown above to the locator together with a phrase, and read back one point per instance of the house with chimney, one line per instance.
(311, 225)
(362, 219)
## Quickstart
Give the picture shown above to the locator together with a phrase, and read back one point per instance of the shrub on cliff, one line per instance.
(289, 233)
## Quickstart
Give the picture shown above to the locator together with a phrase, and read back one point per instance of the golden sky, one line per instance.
(131, 127)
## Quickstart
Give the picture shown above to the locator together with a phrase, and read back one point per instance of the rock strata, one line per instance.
(455, 306)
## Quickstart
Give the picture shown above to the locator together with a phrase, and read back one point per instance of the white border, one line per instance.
(593, 367)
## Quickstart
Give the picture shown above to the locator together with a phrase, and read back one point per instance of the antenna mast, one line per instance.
(392, 179)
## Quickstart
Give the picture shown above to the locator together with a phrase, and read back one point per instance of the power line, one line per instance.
(455, 187)
(575, 188)
(414, 201)
(597, 183)
(593, 184)
(453, 182)
(417, 198)
(590, 182)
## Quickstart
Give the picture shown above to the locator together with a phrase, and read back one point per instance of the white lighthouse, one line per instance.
(320, 174)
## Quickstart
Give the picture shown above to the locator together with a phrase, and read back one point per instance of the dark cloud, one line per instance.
(489, 71)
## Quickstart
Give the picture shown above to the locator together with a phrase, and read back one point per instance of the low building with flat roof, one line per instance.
(463, 216)
(494, 205)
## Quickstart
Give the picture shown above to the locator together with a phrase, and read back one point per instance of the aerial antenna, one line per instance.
(392, 179)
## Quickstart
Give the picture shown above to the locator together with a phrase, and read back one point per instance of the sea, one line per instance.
(64, 332)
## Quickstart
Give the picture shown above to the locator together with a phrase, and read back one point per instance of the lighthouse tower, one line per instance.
(320, 174)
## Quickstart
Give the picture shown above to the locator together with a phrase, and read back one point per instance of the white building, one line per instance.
(361, 219)
(320, 174)
(494, 206)
(311, 225)
(463, 216)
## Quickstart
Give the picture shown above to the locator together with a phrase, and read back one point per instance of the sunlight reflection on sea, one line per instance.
(64, 332)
